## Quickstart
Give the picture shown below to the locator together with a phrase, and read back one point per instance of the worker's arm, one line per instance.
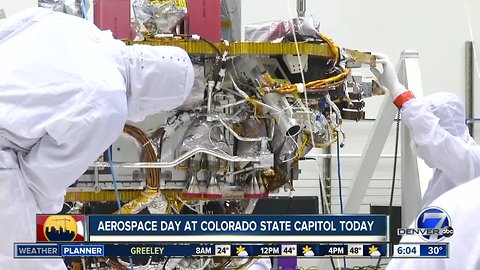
(452, 155)
(71, 144)
(456, 158)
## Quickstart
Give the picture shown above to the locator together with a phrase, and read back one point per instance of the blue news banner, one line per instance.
(46, 250)
(238, 228)
(221, 235)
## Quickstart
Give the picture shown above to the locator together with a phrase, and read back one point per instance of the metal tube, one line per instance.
(286, 123)
(301, 8)
(96, 177)
(345, 156)
(469, 83)
(209, 96)
(177, 161)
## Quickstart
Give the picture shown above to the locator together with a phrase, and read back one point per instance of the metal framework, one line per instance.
(414, 172)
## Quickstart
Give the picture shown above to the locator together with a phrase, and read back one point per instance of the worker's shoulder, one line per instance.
(469, 187)
(456, 197)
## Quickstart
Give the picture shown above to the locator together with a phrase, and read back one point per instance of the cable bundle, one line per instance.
(153, 174)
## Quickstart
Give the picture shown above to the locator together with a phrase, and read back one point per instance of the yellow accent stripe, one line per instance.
(259, 48)
(106, 195)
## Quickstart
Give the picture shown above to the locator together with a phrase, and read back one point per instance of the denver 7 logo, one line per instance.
(437, 222)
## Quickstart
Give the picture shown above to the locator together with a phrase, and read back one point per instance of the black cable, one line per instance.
(322, 202)
(165, 263)
(333, 263)
(394, 164)
(202, 39)
(378, 263)
(212, 45)
(339, 176)
(395, 157)
(290, 199)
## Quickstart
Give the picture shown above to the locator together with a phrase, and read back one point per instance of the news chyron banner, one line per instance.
(207, 235)
(58, 250)
(238, 228)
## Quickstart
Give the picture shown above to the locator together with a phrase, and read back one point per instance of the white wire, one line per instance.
(233, 92)
(175, 210)
(210, 139)
(122, 262)
(302, 74)
(301, 68)
(335, 108)
(187, 205)
(267, 106)
(246, 97)
(298, 149)
(290, 107)
(149, 261)
(69, 207)
(207, 262)
(226, 95)
(236, 74)
(231, 104)
(240, 91)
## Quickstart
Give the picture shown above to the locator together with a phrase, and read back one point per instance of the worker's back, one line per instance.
(462, 203)
(52, 65)
(62, 99)
(62, 103)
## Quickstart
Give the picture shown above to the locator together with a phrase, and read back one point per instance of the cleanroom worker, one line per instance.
(462, 205)
(437, 126)
(66, 91)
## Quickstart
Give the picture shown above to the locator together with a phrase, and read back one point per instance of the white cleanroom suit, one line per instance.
(462, 205)
(437, 126)
(66, 91)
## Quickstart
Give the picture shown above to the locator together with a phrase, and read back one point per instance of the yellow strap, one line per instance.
(257, 48)
(106, 195)
(238, 48)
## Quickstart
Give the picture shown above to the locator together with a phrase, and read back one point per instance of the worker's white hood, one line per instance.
(451, 113)
(159, 78)
(18, 22)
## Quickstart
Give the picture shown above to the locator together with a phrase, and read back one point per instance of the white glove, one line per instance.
(388, 78)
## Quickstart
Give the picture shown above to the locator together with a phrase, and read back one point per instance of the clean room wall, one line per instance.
(13, 6)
